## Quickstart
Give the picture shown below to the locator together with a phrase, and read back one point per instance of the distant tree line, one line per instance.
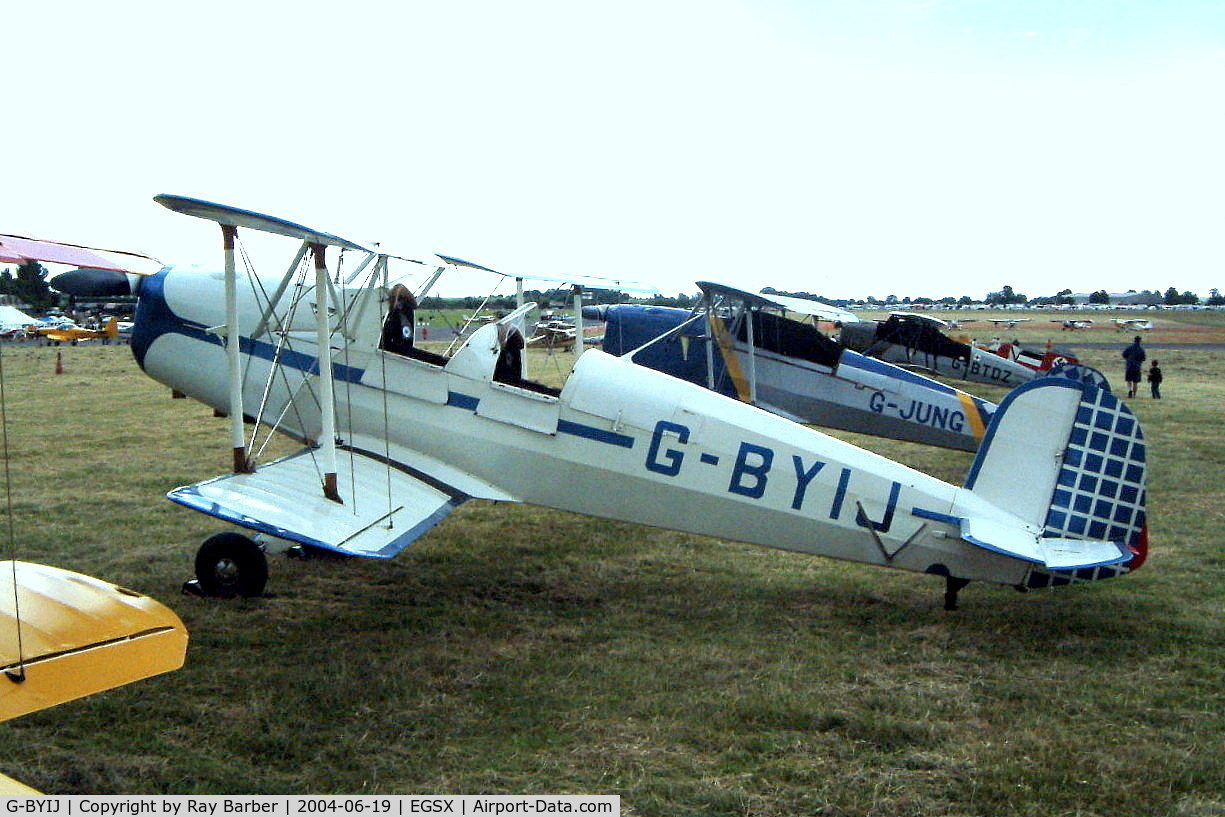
(553, 298)
(29, 286)
(1007, 296)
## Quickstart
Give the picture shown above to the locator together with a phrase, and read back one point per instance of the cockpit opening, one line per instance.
(509, 366)
(400, 328)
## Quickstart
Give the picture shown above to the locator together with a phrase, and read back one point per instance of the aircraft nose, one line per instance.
(92, 283)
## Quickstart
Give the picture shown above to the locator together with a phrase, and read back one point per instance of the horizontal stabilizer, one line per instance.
(1054, 553)
(385, 507)
(1070, 554)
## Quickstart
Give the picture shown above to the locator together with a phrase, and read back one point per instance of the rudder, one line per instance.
(1069, 457)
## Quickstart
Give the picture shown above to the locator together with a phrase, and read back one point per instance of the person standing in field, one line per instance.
(1133, 356)
(1154, 380)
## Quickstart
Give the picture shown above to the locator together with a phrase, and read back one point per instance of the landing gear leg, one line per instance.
(952, 586)
(227, 565)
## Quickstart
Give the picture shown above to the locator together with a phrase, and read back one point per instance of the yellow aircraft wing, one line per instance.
(77, 635)
(13, 788)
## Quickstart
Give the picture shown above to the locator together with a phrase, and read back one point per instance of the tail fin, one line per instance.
(1079, 371)
(1069, 458)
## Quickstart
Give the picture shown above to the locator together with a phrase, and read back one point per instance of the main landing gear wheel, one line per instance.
(228, 565)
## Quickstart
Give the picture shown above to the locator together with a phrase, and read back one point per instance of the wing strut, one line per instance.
(578, 320)
(327, 431)
(242, 465)
(748, 316)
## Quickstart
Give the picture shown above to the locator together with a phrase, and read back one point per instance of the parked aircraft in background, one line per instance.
(553, 334)
(1042, 362)
(912, 339)
(748, 346)
(1133, 324)
(72, 334)
(411, 436)
(1008, 323)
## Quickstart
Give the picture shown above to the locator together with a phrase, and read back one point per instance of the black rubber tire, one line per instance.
(229, 564)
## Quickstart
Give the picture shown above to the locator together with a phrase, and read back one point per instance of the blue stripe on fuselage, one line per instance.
(869, 364)
(155, 318)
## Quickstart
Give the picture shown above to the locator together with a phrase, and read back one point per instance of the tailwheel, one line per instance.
(227, 565)
(952, 586)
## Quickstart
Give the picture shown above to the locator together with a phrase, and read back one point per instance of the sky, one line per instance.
(845, 148)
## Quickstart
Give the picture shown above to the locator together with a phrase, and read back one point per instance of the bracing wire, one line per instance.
(342, 326)
(471, 318)
(386, 415)
(20, 674)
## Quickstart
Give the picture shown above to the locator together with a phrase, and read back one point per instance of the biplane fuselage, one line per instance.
(618, 441)
(789, 368)
(916, 341)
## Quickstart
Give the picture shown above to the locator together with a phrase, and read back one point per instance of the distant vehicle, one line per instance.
(1072, 324)
(14, 323)
(1008, 323)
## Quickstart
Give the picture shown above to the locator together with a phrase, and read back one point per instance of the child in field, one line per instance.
(1154, 380)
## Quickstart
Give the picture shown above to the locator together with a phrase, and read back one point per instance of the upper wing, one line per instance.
(15, 249)
(585, 281)
(803, 306)
(237, 217)
(816, 309)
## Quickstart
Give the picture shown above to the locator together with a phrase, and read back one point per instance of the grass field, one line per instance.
(522, 650)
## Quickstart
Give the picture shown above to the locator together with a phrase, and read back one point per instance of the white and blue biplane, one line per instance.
(1056, 494)
(747, 346)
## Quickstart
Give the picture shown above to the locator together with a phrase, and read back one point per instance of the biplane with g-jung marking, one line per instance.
(768, 350)
(393, 441)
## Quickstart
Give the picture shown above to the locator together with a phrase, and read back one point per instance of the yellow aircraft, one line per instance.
(65, 635)
(75, 333)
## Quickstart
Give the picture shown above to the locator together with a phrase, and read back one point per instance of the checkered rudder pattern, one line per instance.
(1100, 491)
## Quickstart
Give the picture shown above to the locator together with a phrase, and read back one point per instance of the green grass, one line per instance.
(518, 649)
